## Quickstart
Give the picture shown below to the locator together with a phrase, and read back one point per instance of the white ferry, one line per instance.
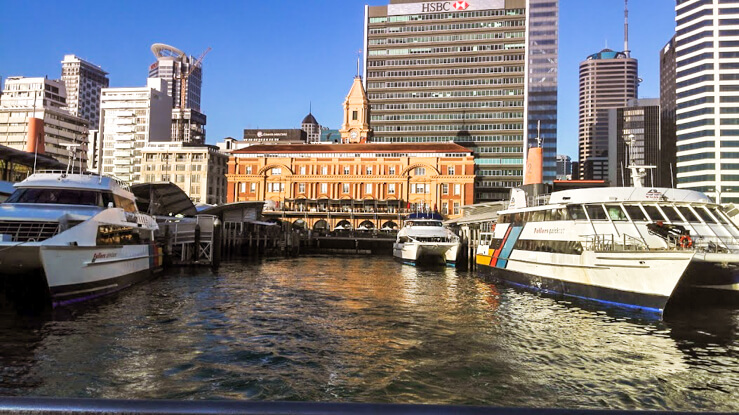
(68, 237)
(424, 238)
(636, 246)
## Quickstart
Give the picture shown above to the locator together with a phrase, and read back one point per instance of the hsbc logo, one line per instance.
(460, 5)
(445, 6)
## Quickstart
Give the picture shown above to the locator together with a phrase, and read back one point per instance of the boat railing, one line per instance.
(710, 244)
(122, 183)
(533, 201)
(609, 243)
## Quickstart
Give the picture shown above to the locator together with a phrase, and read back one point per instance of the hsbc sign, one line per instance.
(443, 6)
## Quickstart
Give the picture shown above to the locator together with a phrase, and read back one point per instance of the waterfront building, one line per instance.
(173, 65)
(27, 99)
(353, 182)
(564, 167)
(200, 171)
(668, 113)
(130, 118)
(634, 134)
(608, 79)
(83, 81)
(356, 127)
(707, 94)
(456, 71)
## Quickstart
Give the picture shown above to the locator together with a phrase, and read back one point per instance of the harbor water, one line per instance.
(368, 329)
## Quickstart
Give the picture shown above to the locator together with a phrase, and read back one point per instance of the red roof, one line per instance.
(355, 148)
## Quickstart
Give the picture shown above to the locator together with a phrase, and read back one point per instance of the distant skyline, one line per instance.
(271, 62)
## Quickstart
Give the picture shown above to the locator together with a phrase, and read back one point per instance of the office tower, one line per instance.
(130, 118)
(24, 99)
(541, 109)
(634, 136)
(707, 93)
(173, 65)
(608, 79)
(455, 71)
(668, 113)
(564, 167)
(84, 81)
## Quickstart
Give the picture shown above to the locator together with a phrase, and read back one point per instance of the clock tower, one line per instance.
(355, 128)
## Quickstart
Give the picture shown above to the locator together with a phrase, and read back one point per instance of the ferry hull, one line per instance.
(631, 279)
(76, 274)
(578, 290)
(62, 275)
(710, 278)
(414, 253)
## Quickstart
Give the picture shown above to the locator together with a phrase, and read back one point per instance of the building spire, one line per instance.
(626, 29)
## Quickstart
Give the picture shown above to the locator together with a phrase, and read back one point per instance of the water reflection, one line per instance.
(366, 329)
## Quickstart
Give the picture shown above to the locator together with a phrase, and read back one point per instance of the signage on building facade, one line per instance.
(443, 6)
(292, 135)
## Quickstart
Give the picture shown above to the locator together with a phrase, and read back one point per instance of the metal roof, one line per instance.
(25, 158)
(163, 199)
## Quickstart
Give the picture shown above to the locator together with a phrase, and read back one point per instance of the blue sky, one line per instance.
(272, 60)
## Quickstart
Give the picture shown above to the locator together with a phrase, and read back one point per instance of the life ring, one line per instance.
(686, 242)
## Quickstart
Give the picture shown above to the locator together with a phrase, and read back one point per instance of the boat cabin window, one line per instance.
(535, 216)
(556, 214)
(671, 214)
(504, 219)
(721, 218)
(635, 213)
(689, 215)
(126, 204)
(576, 212)
(57, 196)
(654, 213)
(616, 213)
(596, 212)
(704, 215)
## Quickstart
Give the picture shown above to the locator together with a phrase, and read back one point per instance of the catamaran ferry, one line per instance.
(636, 246)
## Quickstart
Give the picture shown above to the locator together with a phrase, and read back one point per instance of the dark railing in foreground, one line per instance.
(156, 407)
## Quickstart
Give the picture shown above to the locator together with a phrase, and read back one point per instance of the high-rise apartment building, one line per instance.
(173, 65)
(44, 99)
(634, 136)
(130, 118)
(457, 71)
(608, 79)
(84, 82)
(707, 88)
(668, 113)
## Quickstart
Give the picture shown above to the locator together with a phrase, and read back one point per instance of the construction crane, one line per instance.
(184, 77)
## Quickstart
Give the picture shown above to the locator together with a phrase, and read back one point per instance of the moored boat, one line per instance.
(635, 246)
(425, 239)
(67, 237)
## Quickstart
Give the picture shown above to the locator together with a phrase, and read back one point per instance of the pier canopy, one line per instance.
(163, 199)
(238, 212)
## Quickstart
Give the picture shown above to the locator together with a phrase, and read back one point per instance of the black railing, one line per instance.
(157, 407)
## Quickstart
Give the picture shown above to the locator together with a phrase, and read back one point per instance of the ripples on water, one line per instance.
(366, 329)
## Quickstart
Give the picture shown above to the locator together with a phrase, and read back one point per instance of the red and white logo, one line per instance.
(460, 5)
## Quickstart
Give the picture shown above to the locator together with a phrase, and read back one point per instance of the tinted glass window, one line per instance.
(704, 215)
(653, 213)
(689, 215)
(56, 196)
(671, 214)
(615, 212)
(576, 212)
(720, 217)
(635, 213)
(596, 212)
(537, 216)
